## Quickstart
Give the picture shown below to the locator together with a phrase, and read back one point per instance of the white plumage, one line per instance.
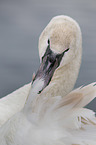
(54, 116)
(13, 103)
(54, 120)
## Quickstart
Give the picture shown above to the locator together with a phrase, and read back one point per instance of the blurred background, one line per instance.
(22, 21)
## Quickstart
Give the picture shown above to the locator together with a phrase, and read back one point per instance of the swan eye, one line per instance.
(48, 41)
(48, 51)
(67, 50)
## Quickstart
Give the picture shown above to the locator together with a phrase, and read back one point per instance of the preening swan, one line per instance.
(51, 113)
(63, 33)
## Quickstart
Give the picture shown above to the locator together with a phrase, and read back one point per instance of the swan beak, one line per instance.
(50, 62)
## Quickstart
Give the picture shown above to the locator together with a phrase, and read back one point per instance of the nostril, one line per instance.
(51, 59)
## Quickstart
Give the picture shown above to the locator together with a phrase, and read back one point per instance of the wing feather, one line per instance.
(12, 103)
(80, 97)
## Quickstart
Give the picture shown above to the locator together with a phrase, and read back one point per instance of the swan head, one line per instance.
(58, 46)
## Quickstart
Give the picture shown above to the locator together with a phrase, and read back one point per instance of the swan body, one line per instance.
(55, 120)
(63, 32)
(50, 113)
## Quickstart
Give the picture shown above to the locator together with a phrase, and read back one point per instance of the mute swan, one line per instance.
(63, 32)
(47, 118)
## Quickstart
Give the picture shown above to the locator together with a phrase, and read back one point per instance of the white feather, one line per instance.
(13, 103)
(59, 122)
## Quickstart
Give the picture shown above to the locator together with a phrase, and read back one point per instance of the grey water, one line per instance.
(22, 21)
